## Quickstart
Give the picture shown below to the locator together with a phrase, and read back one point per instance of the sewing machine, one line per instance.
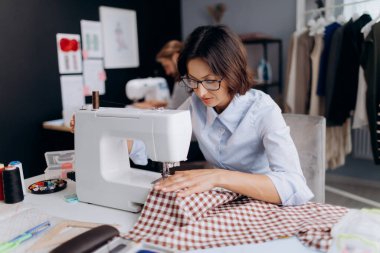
(103, 172)
(151, 88)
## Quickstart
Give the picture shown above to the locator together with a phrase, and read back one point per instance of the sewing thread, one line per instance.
(12, 185)
(1, 182)
(19, 165)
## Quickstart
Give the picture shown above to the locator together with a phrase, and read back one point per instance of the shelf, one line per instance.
(265, 40)
(265, 85)
(260, 40)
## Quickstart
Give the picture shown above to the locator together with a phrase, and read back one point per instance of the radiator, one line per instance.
(361, 143)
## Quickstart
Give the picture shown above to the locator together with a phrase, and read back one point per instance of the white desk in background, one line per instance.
(54, 204)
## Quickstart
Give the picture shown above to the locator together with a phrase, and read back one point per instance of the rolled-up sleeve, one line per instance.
(138, 153)
(285, 169)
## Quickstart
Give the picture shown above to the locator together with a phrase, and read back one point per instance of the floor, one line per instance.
(358, 177)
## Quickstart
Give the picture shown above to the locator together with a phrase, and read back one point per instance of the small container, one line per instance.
(59, 163)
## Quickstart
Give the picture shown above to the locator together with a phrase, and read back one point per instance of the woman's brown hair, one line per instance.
(224, 53)
(169, 49)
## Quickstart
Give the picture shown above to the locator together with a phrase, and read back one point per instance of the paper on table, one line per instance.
(94, 76)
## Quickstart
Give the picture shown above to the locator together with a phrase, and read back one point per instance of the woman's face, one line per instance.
(169, 66)
(199, 70)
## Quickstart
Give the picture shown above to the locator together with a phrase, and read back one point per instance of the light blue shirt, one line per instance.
(250, 136)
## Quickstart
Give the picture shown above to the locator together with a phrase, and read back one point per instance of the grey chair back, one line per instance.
(309, 134)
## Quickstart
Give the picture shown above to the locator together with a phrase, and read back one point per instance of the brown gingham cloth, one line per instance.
(220, 218)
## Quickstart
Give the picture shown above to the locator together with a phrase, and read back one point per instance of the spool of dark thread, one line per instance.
(95, 100)
(12, 185)
(1, 182)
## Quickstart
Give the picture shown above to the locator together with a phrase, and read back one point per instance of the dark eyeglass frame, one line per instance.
(200, 82)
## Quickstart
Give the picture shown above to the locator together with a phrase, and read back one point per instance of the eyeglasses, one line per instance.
(212, 85)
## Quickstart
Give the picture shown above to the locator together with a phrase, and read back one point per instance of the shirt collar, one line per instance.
(232, 115)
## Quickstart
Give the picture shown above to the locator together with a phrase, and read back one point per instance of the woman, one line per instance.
(240, 131)
(168, 57)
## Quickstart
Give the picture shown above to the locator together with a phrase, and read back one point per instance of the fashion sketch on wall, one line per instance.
(119, 27)
(69, 53)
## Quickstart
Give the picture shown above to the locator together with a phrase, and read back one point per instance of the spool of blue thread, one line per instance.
(19, 165)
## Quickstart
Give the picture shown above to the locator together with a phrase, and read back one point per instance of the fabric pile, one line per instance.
(220, 218)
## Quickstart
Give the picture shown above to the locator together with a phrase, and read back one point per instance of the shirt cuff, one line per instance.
(292, 192)
(138, 153)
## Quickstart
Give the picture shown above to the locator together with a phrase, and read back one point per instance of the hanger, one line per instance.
(355, 16)
(316, 26)
(330, 19)
(341, 19)
(321, 24)
(367, 28)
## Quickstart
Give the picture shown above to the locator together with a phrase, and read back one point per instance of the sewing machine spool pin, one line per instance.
(95, 100)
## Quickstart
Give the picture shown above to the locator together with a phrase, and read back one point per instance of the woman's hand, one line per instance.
(72, 123)
(190, 181)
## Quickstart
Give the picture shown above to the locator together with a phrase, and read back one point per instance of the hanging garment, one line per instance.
(338, 138)
(346, 85)
(329, 32)
(338, 144)
(220, 218)
(290, 90)
(316, 102)
(371, 65)
(305, 46)
(333, 62)
(360, 118)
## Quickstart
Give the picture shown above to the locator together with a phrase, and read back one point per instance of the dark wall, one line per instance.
(29, 78)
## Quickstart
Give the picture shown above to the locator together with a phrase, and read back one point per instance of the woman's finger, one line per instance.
(177, 186)
(190, 190)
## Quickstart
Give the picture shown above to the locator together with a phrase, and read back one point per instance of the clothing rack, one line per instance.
(336, 6)
(301, 16)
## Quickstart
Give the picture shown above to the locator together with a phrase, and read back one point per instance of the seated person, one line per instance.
(168, 57)
(240, 130)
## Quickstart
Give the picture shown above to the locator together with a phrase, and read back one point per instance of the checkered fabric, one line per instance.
(220, 218)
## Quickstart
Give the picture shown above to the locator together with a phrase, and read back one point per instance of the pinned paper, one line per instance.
(119, 28)
(72, 95)
(94, 76)
(92, 39)
(69, 53)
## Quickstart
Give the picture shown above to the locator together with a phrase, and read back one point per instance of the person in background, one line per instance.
(168, 57)
(240, 130)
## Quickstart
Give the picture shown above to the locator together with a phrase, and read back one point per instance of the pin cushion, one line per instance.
(47, 186)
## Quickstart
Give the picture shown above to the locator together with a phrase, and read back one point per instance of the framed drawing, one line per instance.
(69, 53)
(92, 44)
(119, 28)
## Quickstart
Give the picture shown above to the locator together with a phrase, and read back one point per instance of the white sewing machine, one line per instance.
(151, 88)
(103, 173)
